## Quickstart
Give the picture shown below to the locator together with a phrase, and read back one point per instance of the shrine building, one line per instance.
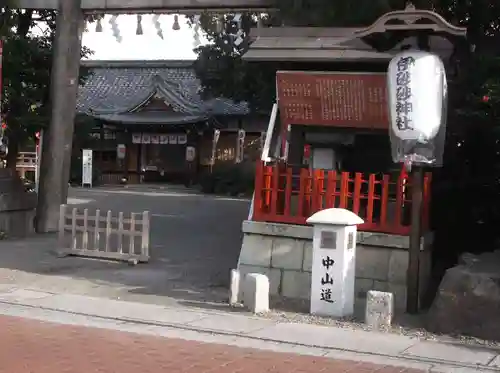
(327, 145)
(154, 112)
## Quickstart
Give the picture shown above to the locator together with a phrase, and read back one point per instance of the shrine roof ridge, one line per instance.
(117, 87)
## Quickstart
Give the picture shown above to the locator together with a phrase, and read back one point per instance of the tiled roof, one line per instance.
(116, 87)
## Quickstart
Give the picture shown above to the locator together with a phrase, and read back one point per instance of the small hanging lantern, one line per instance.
(139, 30)
(220, 24)
(176, 25)
(240, 146)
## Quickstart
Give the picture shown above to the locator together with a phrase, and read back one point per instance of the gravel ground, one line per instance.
(296, 311)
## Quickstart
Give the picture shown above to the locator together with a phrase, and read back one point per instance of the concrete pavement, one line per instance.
(237, 328)
(202, 233)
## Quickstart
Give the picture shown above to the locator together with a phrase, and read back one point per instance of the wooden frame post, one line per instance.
(413, 272)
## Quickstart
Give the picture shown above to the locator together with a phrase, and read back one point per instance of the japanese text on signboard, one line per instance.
(327, 280)
(404, 106)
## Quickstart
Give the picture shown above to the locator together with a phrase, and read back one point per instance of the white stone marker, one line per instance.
(234, 287)
(333, 263)
(379, 309)
(256, 292)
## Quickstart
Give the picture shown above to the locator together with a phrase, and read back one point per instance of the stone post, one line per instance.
(333, 263)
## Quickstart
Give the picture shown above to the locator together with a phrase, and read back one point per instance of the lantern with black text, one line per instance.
(417, 91)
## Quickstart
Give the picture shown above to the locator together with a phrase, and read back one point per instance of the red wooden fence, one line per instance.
(283, 195)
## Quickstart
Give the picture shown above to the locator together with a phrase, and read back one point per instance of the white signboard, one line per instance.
(155, 139)
(121, 151)
(417, 95)
(146, 138)
(190, 153)
(87, 167)
(172, 139)
(182, 139)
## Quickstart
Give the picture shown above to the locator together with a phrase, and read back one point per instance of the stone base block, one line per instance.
(17, 224)
(283, 252)
(256, 292)
(379, 309)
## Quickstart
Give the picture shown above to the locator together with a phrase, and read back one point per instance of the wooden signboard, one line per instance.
(349, 100)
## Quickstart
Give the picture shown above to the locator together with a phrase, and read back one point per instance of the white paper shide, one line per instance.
(417, 95)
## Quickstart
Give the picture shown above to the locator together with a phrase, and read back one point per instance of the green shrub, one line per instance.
(229, 178)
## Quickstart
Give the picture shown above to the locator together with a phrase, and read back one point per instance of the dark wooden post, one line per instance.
(412, 277)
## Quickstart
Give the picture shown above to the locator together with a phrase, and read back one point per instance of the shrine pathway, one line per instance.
(195, 242)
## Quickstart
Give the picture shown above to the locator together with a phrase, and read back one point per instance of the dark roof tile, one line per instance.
(121, 86)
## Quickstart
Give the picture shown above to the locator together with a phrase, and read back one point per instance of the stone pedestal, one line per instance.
(17, 206)
(333, 262)
(283, 252)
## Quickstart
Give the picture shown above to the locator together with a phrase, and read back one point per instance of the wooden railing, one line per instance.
(287, 195)
(26, 161)
(103, 236)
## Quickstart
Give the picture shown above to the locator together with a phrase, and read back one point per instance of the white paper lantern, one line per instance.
(417, 95)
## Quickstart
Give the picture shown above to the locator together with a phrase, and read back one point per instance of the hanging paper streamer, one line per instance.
(114, 28)
(238, 36)
(196, 21)
(157, 24)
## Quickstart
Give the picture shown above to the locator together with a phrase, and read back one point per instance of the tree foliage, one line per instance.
(223, 72)
(27, 61)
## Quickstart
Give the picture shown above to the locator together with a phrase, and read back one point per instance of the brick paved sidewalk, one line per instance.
(29, 346)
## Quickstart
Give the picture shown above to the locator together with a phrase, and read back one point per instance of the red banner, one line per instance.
(349, 100)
